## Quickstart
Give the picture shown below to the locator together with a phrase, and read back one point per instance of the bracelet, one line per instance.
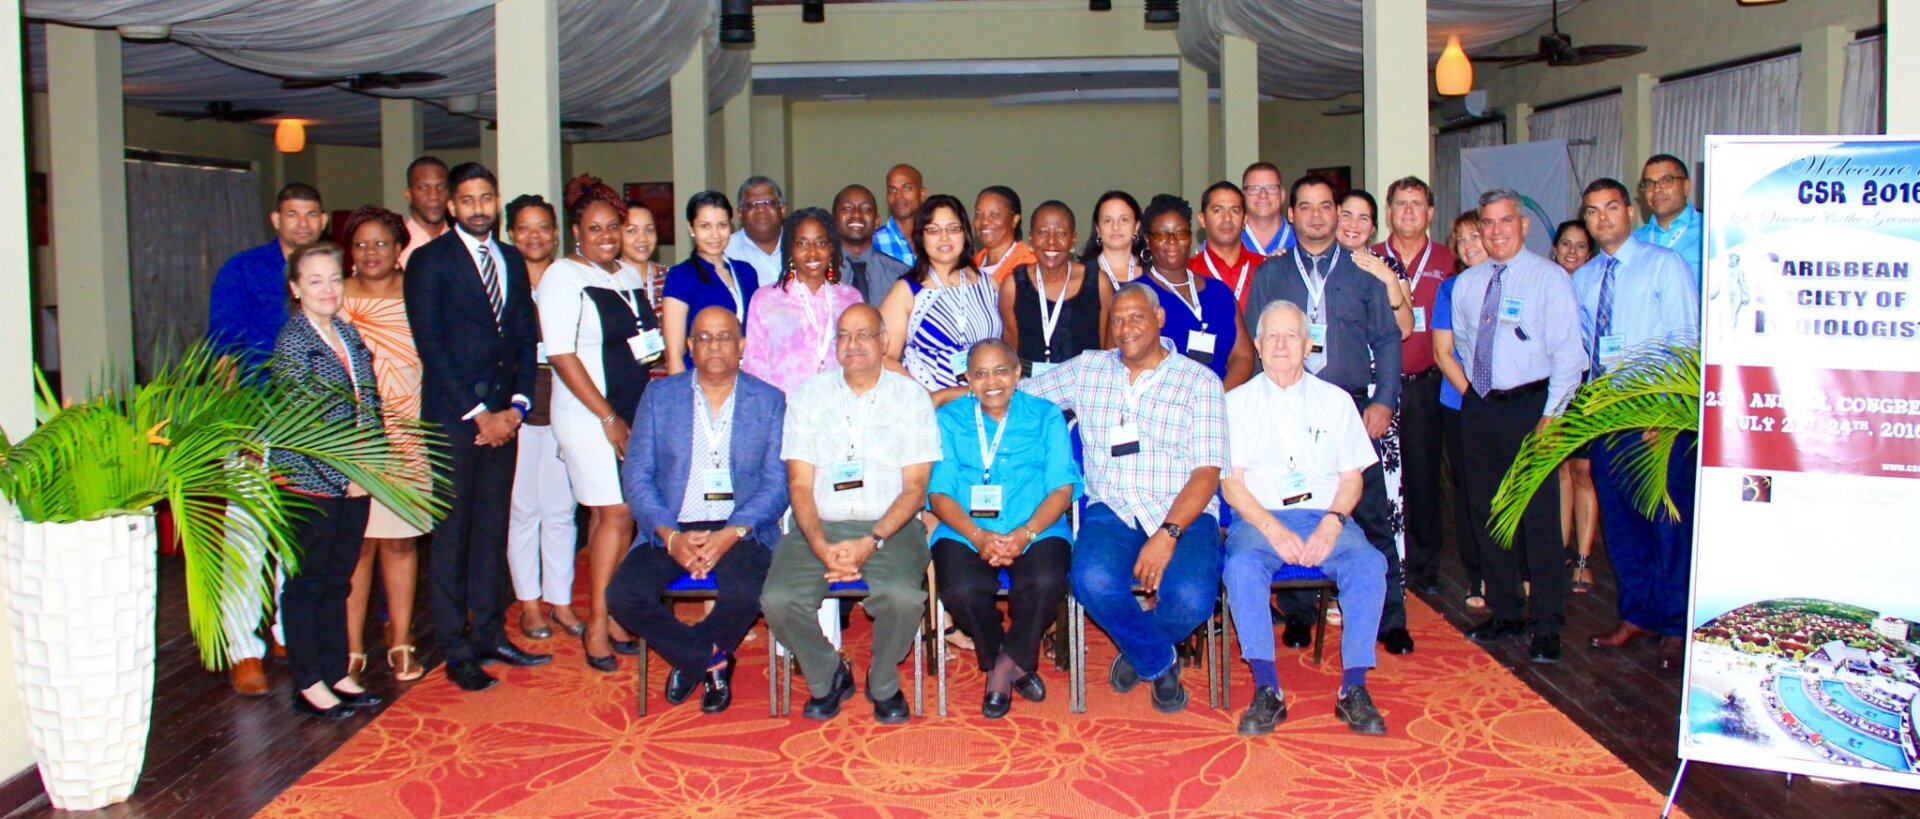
(608, 421)
(1031, 535)
(670, 536)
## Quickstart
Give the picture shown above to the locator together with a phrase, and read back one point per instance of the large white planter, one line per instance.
(81, 599)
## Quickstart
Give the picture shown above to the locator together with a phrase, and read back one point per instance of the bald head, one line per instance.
(905, 191)
(861, 340)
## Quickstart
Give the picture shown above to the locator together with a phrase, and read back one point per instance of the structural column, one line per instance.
(736, 129)
(1517, 128)
(403, 138)
(87, 132)
(489, 146)
(1196, 135)
(1903, 60)
(1636, 126)
(772, 148)
(1823, 72)
(1394, 49)
(526, 71)
(689, 91)
(1239, 106)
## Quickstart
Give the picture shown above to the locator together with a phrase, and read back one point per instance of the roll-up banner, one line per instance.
(1806, 566)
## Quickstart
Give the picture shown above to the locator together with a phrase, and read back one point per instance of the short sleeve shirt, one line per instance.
(884, 430)
(1034, 459)
(1311, 427)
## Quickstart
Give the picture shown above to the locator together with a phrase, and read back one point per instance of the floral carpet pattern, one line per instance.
(1465, 739)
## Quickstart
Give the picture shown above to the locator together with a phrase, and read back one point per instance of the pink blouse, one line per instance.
(790, 332)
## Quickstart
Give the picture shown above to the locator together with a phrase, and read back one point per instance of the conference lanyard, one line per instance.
(716, 427)
(1115, 280)
(628, 296)
(1192, 306)
(987, 455)
(1419, 268)
(858, 407)
(818, 325)
(1050, 320)
(1315, 292)
(732, 282)
(1272, 246)
(994, 269)
(1672, 239)
(1239, 286)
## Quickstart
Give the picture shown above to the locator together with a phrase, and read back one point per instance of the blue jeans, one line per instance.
(1359, 569)
(1103, 558)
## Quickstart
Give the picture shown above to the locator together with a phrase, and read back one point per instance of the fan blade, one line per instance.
(189, 116)
(1608, 51)
(1519, 61)
(248, 115)
(1504, 58)
(318, 82)
(416, 77)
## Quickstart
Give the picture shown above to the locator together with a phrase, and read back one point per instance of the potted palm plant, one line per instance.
(78, 551)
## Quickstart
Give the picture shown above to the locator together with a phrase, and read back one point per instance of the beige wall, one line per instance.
(1295, 136)
(1689, 34)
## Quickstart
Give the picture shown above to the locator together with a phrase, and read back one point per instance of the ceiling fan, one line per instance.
(223, 111)
(1557, 50)
(367, 80)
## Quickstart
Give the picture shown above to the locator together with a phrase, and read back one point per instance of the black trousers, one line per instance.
(1037, 583)
(1463, 540)
(466, 566)
(1493, 431)
(313, 603)
(1372, 513)
(633, 599)
(1420, 471)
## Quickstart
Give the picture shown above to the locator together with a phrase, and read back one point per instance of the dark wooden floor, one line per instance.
(213, 754)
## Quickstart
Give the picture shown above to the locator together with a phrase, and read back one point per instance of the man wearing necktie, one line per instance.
(471, 309)
(1633, 292)
(1516, 324)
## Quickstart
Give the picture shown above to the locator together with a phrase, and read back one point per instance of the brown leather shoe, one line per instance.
(1673, 653)
(1624, 634)
(249, 679)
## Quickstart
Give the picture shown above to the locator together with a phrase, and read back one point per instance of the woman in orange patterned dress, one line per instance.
(375, 306)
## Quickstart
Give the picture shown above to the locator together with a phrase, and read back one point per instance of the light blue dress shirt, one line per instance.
(1654, 294)
(1035, 458)
(1546, 342)
(1686, 236)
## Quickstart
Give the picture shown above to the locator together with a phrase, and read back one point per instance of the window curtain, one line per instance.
(1592, 132)
(1862, 105)
(1446, 168)
(1757, 98)
(182, 224)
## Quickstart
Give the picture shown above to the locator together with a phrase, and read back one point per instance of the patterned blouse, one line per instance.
(790, 334)
(946, 320)
(315, 367)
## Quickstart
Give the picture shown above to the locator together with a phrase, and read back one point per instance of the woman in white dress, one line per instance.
(601, 336)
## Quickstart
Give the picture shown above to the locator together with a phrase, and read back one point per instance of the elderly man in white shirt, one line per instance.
(1298, 447)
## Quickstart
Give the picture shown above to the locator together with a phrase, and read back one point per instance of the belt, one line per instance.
(1523, 391)
(1426, 373)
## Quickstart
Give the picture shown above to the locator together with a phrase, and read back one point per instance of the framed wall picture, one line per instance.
(1340, 175)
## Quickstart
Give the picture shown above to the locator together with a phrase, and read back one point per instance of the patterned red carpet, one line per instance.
(1466, 739)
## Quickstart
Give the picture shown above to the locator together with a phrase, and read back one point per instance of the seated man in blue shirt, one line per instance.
(1298, 450)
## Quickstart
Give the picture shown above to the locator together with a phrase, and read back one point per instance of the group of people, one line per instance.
(823, 398)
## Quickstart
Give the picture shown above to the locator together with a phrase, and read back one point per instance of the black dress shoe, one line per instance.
(363, 699)
(513, 655)
(1267, 710)
(1297, 634)
(627, 647)
(1424, 586)
(1397, 641)
(892, 710)
(680, 685)
(719, 693)
(1169, 696)
(337, 712)
(1355, 708)
(469, 676)
(1031, 687)
(1545, 648)
(828, 707)
(1121, 676)
(1495, 630)
(604, 664)
(996, 706)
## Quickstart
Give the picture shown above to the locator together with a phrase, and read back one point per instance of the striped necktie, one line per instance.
(1603, 314)
(490, 276)
(1483, 342)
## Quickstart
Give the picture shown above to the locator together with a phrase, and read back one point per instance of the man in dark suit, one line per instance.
(706, 485)
(471, 309)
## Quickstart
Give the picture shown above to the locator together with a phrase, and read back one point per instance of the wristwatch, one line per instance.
(878, 541)
(741, 531)
(1340, 516)
(1173, 529)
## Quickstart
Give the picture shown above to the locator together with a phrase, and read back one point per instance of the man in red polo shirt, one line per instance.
(1223, 212)
(1424, 263)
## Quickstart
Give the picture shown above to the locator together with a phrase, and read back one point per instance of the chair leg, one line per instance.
(1077, 651)
(773, 676)
(1226, 644)
(939, 642)
(1320, 626)
(642, 686)
(1213, 659)
(919, 675)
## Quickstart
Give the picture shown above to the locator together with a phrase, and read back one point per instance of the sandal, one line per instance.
(407, 669)
(1477, 600)
(1334, 617)
(958, 639)
(1582, 576)
(356, 664)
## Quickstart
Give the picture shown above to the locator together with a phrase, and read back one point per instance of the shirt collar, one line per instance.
(1687, 217)
(473, 243)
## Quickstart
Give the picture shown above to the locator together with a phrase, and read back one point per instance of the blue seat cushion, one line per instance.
(1292, 573)
(686, 583)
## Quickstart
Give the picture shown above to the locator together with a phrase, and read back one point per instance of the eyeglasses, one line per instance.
(1668, 181)
(1262, 190)
(715, 338)
(1168, 236)
(756, 204)
(955, 229)
(814, 244)
(377, 243)
(860, 336)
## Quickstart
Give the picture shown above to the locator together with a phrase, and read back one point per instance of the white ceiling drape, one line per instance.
(615, 58)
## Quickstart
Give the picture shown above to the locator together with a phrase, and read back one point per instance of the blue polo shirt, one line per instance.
(1035, 458)
(1686, 236)
(249, 303)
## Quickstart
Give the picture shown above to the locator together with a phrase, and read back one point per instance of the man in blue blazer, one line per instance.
(471, 309)
(706, 484)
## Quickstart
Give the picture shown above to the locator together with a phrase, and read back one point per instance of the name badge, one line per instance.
(716, 484)
(1612, 347)
(1317, 333)
(647, 345)
(1419, 319)
(1041, 367)
(1293, 488)
(957, 363)
(540, 352)
(983, 500)
(1123, 440)
(1200, 346)
(1510, 310)
(848, 475)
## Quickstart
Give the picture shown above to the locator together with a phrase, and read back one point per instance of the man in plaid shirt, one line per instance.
(1155, 427)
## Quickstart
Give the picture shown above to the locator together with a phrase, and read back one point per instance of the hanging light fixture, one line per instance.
(813, 11)
(736, 22)
(1163, 11)
(290, 136)
(1453, 74)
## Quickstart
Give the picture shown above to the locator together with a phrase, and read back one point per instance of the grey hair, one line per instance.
(991, 343)
(1501, 195)
(1276, 306)
(1140, 287)
(757, 180)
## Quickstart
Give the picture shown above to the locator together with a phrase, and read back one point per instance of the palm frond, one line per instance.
(1655, 387)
